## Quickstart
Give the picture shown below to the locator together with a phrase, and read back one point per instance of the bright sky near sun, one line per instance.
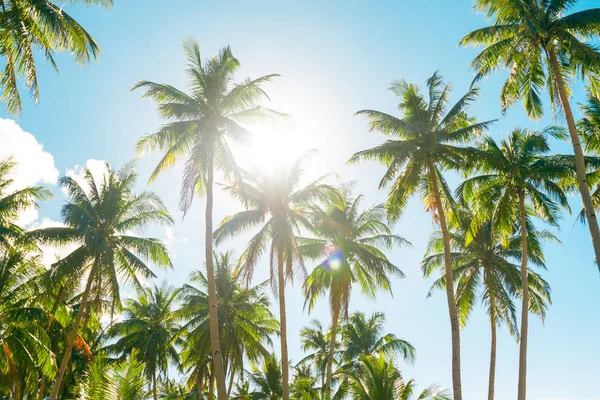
(335, 58)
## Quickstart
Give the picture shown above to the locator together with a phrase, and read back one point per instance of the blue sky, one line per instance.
(334, 58)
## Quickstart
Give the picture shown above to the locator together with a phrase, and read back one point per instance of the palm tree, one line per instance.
(30, 25)
(201, 126)
(278, 203)
(13, 203)
(267, 380)
(149, 326)
(429, 137)
(364, 336)
(95, 218)
(304, 386)
(245, 323)
(25, 345)
(543, 48)
(485, 270)
(349, 239)
(375, 378)
(518, 179)
(121, 381)
(315, 341)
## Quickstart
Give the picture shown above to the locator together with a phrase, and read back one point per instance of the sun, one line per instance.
(275, 145)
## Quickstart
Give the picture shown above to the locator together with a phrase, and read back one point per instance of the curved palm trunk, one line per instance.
(335, 319)
(71, 341)
(580, 169)
(283, 327)
(522, 386)
(452, 311)
(492, 378)
(215, 342)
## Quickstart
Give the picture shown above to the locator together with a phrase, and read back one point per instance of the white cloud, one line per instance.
(51, 254)
(97, 167)
(172, 242)
(34, 165)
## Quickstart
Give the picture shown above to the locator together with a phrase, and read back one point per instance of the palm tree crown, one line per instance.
(364, 336)
(29, 25)
(245, 321)
(149, 326)
(204, 121)
(427, 140)
(525, 35)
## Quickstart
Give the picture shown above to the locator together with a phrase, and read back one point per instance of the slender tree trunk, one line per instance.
(54, 308)
(199, 381)
(522, 386)
(283, 326)
(215, 342)
(452, 311)
(580, 169)
(42, 388)
(335, 319)
(154, 385)
(71, 341)
(211, 383)
(230, 386)
(492, 379)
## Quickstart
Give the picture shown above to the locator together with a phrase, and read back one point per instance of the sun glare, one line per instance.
(279, 143)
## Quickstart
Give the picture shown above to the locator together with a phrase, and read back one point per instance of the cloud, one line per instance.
(172, 242)
(51, 254)
(34, 165)
(77, 173)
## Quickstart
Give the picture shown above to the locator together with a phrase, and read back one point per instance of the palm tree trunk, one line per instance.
(199, 386)
(42, 387)
(211, 383)
(452, 311)
(283, 327)
(522, 386)
(71, 341)
(231, 377)
(215, 342)
(335, 319)
(52, 312)
(492, 360)
(580, 169)
(154, 385)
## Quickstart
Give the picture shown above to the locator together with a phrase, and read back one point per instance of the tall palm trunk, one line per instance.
(452, 311)
(71, 341)
(215, 342)
(52, 312)
(580, 169)
(154, 385)
(335, 319)
(492, 378)
(522, 386)
(283, 327)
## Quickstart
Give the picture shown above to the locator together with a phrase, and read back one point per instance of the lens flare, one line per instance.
(334, 258)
